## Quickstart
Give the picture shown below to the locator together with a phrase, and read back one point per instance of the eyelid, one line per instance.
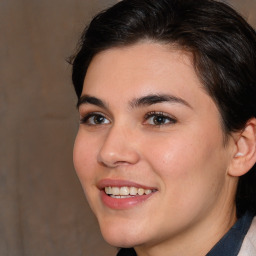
(86, 109)
(85, 117)
(162, 114)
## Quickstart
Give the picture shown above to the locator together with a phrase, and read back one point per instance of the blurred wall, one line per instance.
(43, 209)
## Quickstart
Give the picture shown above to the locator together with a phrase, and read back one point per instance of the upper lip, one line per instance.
(121, 183)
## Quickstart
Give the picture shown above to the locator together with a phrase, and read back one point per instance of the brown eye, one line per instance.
(158, 119)
(94, 119)
(97, 119)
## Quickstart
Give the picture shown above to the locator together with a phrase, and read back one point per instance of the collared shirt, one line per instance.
(230, 244)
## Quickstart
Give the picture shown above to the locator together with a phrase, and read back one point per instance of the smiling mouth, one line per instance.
(127, 192)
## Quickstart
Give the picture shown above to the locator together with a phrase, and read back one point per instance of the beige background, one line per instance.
(42, 207)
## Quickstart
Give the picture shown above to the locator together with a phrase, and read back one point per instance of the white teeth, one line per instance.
(141, 191)
(133, 191)
(148, 191)
(108, 190)
(115, 191)
(120, 196)
(125, 192)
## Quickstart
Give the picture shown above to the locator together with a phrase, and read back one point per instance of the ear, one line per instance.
(245, 150)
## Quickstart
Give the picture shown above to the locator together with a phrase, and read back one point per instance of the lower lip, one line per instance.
(123, 203)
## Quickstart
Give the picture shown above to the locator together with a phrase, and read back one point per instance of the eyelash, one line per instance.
(162, 115)
(86, 118)
(147, 117)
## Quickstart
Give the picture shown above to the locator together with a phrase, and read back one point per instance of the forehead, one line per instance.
(143, 68)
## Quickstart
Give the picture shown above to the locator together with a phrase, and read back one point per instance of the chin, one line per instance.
(120, 240)
(121, 236)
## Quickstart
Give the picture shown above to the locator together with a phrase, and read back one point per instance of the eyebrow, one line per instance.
(86, 99)
(157, 98)
(147, 100)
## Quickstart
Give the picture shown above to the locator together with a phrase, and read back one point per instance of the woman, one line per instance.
(166, 147)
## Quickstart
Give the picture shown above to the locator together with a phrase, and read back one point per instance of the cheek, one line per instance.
(189, 162)
(171, 155)
(189, 177)
(85, 163)
(83, 157)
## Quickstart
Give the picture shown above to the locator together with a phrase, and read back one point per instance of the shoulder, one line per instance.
(248, 247)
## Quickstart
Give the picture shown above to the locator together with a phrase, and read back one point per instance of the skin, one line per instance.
(184, 157)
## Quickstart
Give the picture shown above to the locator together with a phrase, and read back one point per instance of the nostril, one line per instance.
(114, 164)
(121, 163)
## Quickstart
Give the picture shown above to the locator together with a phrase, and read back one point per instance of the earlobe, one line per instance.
(245, 153)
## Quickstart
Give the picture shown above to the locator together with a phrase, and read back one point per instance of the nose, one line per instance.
(119, 148)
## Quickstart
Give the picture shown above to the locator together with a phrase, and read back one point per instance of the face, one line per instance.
(149, 152)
